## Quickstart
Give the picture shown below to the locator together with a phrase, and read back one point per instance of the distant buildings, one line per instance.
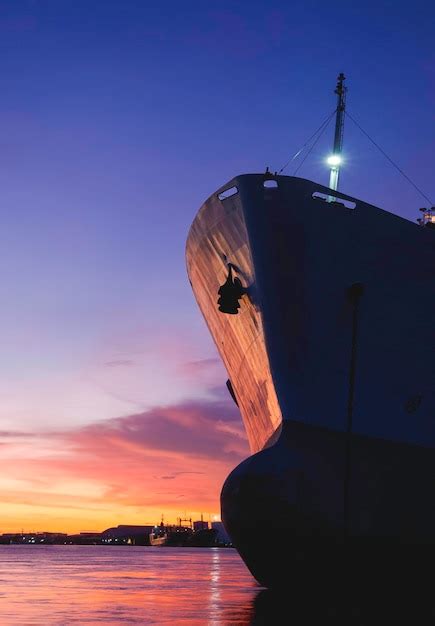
(119, 535)
(34, 538)
(127, 535)
(84, 539)
(200, 525)
(123, 535)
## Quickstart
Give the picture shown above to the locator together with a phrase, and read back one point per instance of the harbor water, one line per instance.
(97, 585)
(124, 585)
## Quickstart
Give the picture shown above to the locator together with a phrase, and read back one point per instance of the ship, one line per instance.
(159, 535)
(172, 535)
(182, 535)
(322, 309)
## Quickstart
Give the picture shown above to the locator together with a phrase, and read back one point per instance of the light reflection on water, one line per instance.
(130, 585)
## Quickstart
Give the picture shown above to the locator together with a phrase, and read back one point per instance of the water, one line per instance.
(124, 585)
(87, 585)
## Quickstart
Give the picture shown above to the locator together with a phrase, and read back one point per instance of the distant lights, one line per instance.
(334, 160)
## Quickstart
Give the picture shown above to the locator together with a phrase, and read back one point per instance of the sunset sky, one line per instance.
(118, 119)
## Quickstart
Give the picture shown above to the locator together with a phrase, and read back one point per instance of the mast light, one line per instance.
(334, 160)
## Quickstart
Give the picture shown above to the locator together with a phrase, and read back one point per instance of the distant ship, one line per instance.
(159, 535)
(197, 535)
(322, 308)
(177, 535)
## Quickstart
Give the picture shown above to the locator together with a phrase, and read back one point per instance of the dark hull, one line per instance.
(343, 301)
(284, 509)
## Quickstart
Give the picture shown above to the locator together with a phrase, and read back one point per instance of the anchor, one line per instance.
(230, 293)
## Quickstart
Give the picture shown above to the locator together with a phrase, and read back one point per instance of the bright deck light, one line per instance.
(334, 159)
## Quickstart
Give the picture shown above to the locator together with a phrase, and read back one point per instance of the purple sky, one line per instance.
(117, 120)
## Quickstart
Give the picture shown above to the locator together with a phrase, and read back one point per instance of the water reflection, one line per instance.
(215, 596)
(132, 585)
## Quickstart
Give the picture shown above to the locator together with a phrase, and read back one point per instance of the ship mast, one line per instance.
(335, 159)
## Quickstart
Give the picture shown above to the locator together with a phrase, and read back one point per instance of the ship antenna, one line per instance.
(335, 159)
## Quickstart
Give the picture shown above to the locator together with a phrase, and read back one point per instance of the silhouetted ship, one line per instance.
(159, 535)
(197, 535)
(322, 308)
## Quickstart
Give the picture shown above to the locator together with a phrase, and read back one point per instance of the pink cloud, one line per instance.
(198, 429)
(120, 363)
(170, 458)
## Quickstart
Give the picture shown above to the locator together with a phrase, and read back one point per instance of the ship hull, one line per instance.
(284, 510)
(328, 358)
(158, 540)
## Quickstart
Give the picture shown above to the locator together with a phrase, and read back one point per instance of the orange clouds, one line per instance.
(170, 459)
